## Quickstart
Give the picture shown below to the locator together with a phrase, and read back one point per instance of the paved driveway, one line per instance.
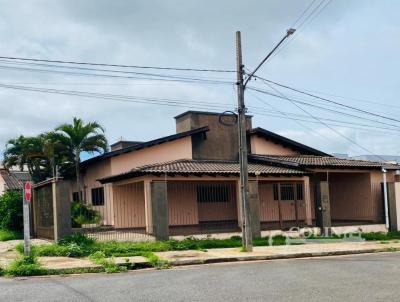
(347, 278)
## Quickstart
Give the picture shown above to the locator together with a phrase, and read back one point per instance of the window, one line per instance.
(98, 196)
(75, 196)
(287, 191)
(210, 194)
(299, 191)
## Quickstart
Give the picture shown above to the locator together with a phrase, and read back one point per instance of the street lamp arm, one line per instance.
(288, 33)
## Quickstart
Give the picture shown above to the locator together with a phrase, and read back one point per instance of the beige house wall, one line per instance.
(260, 145)
(95, 171)
(173, 150)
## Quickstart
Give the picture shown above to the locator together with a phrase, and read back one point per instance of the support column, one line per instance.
(254, 203)
(394, 205)
(324, 208)
(307, 201)
(147, 206)
(159, 209)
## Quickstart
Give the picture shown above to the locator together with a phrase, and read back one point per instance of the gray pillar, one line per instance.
(159, 210)
(324, 208)
(61, 209)
(254, 203)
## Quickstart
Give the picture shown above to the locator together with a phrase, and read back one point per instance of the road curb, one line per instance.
(277, 257)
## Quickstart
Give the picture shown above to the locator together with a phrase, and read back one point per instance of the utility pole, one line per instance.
(247, 240)
(247, 234)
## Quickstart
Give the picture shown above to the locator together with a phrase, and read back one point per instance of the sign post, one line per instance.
(26, 203)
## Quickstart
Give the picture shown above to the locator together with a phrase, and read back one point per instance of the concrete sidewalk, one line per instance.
(276, 252)
(191, 257)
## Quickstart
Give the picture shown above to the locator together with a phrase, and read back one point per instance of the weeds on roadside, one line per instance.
(25, 266)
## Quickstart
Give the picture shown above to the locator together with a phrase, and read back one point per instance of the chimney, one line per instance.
(221, 141)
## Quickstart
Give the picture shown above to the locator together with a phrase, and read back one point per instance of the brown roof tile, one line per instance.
(198, 167)
(311, 161)
(11, 181)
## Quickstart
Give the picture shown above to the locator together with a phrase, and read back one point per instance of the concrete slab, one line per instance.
(134, 260)
(63, 263)
(8, 252)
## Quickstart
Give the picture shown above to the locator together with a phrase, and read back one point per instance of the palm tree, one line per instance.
(81, 137)
(27, 152)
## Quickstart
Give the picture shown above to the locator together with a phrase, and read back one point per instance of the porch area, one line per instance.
(160, 207)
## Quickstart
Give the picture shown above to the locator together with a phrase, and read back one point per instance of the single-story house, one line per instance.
(12, 180)
(188, 182)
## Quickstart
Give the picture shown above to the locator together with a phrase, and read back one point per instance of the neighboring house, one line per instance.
(190, 181)
(12, 180)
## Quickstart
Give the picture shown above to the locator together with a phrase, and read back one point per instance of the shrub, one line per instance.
(78, 238)
(83, 214)
(25, 266)
(11, 215)
(6, 235)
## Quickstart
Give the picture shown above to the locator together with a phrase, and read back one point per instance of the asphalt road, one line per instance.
(348, 278)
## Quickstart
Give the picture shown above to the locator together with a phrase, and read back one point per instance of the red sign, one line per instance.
(28, 191)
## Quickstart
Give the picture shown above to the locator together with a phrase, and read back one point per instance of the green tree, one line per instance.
(27, 152)
(11, 217)
(81, 137)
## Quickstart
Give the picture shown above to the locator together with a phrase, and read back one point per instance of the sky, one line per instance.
(347, 51)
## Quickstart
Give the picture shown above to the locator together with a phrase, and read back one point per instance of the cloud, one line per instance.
(348, 50)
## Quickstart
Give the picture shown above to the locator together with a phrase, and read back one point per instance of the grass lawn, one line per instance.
(6, 235)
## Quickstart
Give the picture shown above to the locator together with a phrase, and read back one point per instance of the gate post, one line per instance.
(254, 203)
(61, 209)
(159, 210)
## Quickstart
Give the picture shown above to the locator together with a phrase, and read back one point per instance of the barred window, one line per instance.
(209, 194)
(287, 191)
(300, 191)
(98, 196)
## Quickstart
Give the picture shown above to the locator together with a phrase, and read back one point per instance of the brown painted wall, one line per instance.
(357, 196)
(221, 141)
(182, 203)
(129, 207)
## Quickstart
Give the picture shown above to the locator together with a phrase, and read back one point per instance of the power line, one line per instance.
(375, 129)
(328, 100)
(124, 98)
(328, 126)
(303, 13)
(285, 114)
(117, 65)
(305, 22)
(321, 107)
(111, 71)
(189, 80)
